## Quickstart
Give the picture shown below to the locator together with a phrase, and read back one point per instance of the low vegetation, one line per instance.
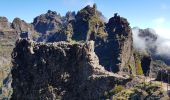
(142, 90)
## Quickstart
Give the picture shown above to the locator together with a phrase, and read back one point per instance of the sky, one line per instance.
(140, 13)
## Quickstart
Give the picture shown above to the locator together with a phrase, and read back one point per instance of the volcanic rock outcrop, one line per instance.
(59, 70)
(4, 24)
(113, 40)
(89, 25)
(51, 21)
(163, 75)
(9, 33)
(118, 48)
(76, 68)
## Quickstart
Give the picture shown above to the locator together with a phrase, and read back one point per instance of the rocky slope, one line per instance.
(59, 70)
(7, 39)
(9, 33)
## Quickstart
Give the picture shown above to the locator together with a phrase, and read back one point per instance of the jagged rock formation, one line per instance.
(4, 24)
(72, 70)
(66, 32)
(20, 25)
(114, 48)
(49, 22)
(53, 27)
(9, 33)
(59, 70)
(89, 25)
(155, 66)
(163, 75)
(119, 49)
(7, 39)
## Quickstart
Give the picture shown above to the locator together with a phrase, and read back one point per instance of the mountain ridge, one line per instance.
(113, 46)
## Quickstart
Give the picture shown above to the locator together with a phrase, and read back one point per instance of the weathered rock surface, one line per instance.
(89, 25)
(163, 75)
(49, 22)
(113, 41)
(72, 70)
(118, 51)
(156, 66)
(59, 70)
(54, 27)
(7, 40)
(20, 25)
(9, 33)
(4, 24)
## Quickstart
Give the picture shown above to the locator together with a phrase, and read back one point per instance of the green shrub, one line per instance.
(139, 70)
(146, 89)
(117, 89)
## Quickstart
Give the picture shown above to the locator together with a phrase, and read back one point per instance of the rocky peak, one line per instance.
(48, 23)
(51, 13)
(70, 16)
(86, 13)
(59, 71)
(89, 25)
(20, 25)
(119, 48)
(118, 25)
(148, 34)
(4, 24)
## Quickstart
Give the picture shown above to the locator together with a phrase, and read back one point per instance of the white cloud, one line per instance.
(163, 31)
(160, 25)
(163, 48)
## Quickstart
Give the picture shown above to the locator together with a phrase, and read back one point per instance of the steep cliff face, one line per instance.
(59, 70)
(118, 48)
(7, 40)
(9, 33)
